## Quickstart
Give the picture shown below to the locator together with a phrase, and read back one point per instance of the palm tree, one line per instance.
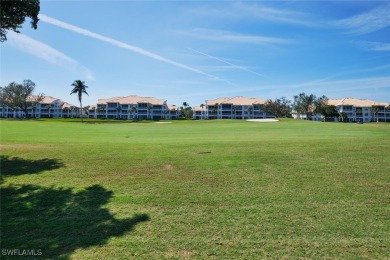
(374, 110)
(214, 110)
(202, 112)
(79, 89)
(234, 109)
(250, 109)
(133, 110)
(118, 110)
(149, 108)
(358, 110)
(48, 110)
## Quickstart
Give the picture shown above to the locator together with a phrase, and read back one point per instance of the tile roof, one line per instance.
(355, 102)
(199, 108)
(45, 100)
(67, 105)
(132, 100)
(237, 101)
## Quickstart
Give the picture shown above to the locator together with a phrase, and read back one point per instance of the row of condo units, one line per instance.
(135, 107)
(48, 107)
(356, 110)
(231, 108)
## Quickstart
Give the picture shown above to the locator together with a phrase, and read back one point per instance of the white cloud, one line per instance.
(227, 36)
(242, 10)
(367, 22)
(123, 45)
(375, 46)
(47, 53)
(318, 87)
(262, 12)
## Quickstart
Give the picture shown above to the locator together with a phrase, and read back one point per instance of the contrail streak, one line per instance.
(123, 45)
(226, 62)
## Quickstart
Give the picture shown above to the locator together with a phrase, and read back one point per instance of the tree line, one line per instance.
(20, 96)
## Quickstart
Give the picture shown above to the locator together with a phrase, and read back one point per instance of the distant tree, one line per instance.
(149, 108)
(118, 110)
(186, 111)
(329, 111)
(202, 112)
(343, 116)
(280, 107)
(358, 110)
(374, 110)
(48, 107)
(79, 88)
(304, 104)
(100, 109)
(214, 110)
(20, 96)
(322, 107)
(132, 110)
(249, 109)
(13, 14)
(234, 109)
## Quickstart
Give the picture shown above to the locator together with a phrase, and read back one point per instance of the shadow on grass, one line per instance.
(58, 221)
(13, 166)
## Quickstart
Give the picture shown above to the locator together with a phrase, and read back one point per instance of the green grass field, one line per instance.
(196, 189)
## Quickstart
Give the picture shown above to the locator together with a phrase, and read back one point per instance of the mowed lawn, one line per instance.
(196, 189)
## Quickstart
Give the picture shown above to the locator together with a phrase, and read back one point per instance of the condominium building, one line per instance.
(48, 107)
(231, 108)
(362, 109)
(356, 110)
(133, 107)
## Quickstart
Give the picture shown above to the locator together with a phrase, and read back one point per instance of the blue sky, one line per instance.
(196, 50)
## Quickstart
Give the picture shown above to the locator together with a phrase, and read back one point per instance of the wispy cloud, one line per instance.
(228, 63)
(227, 36)
(367, 22)
(275, 15)
(330, 88)
(123, 45)
(242, 10)
(47, 53)
(374, 46)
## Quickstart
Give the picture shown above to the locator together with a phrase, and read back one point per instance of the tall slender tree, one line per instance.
(202, 112)
(374, 110)
(79, 88)
(249, 109)
(150, 109)
(358, 111)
